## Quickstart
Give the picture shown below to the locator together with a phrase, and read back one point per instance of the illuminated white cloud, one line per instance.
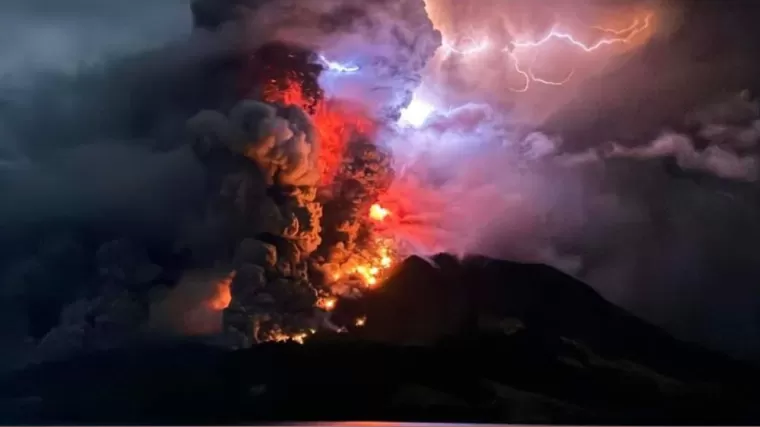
(416, 113)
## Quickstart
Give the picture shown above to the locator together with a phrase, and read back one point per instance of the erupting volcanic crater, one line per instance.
(342, 168)
(298, 170)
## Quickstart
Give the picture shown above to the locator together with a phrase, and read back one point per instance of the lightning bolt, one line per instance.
(551, 82)
(625, 30)
(621, 36)
(520, 71)
(635, 29)
(476, 47)
(529, 76)
(337, 66)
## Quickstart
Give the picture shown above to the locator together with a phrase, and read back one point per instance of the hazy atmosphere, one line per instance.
(630, 165)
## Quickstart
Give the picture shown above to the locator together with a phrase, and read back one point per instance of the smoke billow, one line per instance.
(38, 36)
(650, 225)
(159, 193)
(626, 175)
(401, 37)
(187, 190)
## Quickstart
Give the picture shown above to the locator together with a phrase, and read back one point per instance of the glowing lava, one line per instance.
(335, 124)
(365, 261)
(279, 336)
(327, 304)
(223, 295)
(378, 213)
(367, 267)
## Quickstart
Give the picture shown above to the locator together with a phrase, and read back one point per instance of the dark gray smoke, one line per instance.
(389, 41)
(38, 36)
(137, 185)
(80, 179)
(146, 199)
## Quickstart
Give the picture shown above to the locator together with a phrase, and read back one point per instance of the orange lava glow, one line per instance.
(327, 304)
(335, 123)
(378, 213)
(222, 296)
(367, 267)
(279, 336)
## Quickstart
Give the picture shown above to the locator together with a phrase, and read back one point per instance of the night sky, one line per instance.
(670, 235)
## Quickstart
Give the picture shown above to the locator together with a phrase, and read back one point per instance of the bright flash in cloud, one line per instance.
(416, 113)
(337, 66)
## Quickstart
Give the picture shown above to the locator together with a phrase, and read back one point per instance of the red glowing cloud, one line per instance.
(530, 49)
(336, 123)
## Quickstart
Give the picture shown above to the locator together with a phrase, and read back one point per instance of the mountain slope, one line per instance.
(448, 296)
(476, 340)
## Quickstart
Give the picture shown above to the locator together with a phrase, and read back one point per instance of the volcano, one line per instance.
(473, 340)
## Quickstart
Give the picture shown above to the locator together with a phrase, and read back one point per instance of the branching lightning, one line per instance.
(550, 82)
(529, 76)
(337, 66)
(516, 48)
(525, 74)
(635, 29)
(475, 47)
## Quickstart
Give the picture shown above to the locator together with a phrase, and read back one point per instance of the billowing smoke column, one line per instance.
(374, 51)
(234, 192)
(264, 214)
(295, 177)
(304, 189)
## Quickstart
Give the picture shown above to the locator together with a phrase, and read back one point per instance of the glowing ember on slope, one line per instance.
(327, 303)
(366, 268)
(279, 336)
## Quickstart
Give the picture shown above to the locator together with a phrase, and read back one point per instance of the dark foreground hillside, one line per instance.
(481, 340)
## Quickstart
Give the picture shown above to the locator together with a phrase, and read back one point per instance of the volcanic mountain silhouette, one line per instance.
(473, 340)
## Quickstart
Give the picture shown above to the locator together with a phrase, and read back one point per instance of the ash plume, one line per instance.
(263, 217)
(400, 33)
(231, 205)
(188, 203)
(633, 220)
